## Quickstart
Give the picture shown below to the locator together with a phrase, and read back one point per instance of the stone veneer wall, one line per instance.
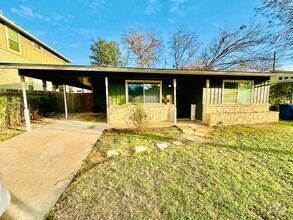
(155, 112)
(229, 114)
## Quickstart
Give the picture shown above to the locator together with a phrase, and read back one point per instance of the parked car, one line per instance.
(4, 196)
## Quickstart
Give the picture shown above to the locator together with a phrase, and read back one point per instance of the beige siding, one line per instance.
(28, 54)
(37, 56)
(7, 56)
(2, 36)
(10, 77)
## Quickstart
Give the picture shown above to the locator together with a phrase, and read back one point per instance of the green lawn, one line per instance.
(243, 172)
(16, 130)
(8, 134)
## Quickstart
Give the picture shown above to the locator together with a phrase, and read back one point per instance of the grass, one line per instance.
(8, 134)
(243, 172)
(112, 139)
(16, 130)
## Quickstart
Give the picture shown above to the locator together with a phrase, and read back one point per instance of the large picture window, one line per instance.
(237, 92)
(13, 40)
(143, 91)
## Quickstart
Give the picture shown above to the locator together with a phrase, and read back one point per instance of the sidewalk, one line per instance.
(37, 166)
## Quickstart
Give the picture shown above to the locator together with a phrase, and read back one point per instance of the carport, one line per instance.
(81, 77)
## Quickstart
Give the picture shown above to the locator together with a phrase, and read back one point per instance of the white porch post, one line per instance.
(65, 102)
(175, 101)
(207, 95)
(26, 110)
(107, 102)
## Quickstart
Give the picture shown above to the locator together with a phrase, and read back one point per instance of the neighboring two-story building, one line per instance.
(284, 87)
(19, 46)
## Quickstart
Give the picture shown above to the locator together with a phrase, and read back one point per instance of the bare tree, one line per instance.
(145, 48)
(183, 46)
(261, 65)
(280, 15)
(231, 48)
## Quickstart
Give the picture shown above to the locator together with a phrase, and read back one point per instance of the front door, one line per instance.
(183, 98)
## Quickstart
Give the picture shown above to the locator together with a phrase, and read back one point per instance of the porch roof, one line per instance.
(81, 76)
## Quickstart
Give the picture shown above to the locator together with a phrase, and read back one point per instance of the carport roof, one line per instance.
(81, 76)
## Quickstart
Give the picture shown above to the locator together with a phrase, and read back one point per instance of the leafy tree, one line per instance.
(145, 48)
(106, 54)
(240, 48)
(280, 16)
(183, 46)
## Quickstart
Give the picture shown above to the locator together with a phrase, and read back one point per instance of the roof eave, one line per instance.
(131, 70)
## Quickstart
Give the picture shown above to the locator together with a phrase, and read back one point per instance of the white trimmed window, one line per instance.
(237, 92)
(13, 40)
(138, 91)
(37, 46)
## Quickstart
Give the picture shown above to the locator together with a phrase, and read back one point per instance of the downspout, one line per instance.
(26, 110)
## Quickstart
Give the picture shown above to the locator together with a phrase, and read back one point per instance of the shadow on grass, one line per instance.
(252, 149)
(89, 166)
(149, 137)
(149, 134)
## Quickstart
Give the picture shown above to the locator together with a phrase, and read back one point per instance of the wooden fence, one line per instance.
(40, 103)
(76, 102)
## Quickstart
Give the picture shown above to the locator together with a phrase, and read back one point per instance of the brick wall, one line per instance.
(155, 112)
(238, 114)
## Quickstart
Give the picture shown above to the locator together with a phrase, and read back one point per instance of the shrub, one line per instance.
(138, 118)
(10, 111)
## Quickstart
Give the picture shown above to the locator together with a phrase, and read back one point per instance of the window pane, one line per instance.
(152, 93)
(13, 35)
(13, 45)
(135, 92)
(13, 40)
(37, 46)
(230, 92)
(244, 92)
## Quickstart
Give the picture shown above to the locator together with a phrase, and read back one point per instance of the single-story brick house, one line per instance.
(213, 97)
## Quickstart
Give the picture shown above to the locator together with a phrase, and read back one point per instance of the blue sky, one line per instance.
(69, 25)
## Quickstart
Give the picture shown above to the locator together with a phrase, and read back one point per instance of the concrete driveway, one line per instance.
(38, 165)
